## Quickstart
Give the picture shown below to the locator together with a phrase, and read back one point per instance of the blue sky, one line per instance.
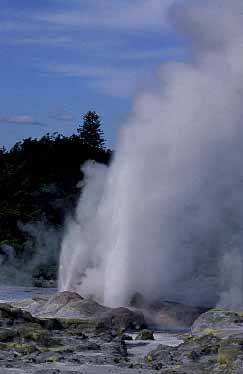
(60, 58)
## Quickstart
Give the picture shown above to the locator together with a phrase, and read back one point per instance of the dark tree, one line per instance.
(90, 133)
(39, 179)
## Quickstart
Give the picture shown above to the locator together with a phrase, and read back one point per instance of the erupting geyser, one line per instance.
(166, 219)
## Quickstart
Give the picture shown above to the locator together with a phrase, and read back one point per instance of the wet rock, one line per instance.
(145, 335)
(51, 324)
(65, 328)
(71, 310)
(116, 348)
(7, 335)
(200, 354)
(201, 346)
(194, 354)
(122, 319)
(27, 334)
(161, 354)
(23, 349)
(43, 339)
(172, 315)
(11, 316)
(89, 346)
(126, 337)
(22, 334)
(46, 357)
(33, 334)
(120, 348)
(216, 320)
(30, 305)
(55, 371)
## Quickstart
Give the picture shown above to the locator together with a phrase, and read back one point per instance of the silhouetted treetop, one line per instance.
(90, 132)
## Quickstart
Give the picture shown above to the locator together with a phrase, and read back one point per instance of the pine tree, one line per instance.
(91, 133)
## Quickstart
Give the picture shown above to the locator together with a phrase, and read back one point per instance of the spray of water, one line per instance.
(166, 219)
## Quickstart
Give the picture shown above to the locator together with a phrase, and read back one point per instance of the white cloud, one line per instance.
(124, 15)
(62, 115)
(20, 120)
(73, 70)
(155, 53)
(77, 25)
(119, 82)
(48, 41)
(45, 40)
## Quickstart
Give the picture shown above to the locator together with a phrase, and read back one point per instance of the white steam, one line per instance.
(42, 249)
(166, 219)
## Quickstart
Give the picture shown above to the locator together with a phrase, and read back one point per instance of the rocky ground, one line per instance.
(215, 345)
(65, 333)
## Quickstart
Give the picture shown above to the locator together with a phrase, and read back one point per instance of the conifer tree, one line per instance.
(90, 132)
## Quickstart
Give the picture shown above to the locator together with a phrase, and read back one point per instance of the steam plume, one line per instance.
(167, 216)
(41, 249)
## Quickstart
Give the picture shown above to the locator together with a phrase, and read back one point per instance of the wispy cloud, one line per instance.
(124, 15)
(61, 115)
(152, 54)
(20, 120)
(108, 80)
(86, 40)
(75, 70)
(99, 50)
(44, 40)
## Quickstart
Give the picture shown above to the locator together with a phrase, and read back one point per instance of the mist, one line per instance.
(165, 219)
(42, 248)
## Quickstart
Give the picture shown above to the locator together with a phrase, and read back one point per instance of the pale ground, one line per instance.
(84, 369)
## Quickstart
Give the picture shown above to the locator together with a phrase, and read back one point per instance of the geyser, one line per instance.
(166, 218)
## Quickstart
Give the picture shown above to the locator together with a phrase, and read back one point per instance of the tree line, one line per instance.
(39, 177)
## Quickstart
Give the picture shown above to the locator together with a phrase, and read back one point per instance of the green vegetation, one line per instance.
(39, 179)
(227, 356)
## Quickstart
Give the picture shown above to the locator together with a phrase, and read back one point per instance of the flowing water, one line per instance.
(140, 348)
(10, 294)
